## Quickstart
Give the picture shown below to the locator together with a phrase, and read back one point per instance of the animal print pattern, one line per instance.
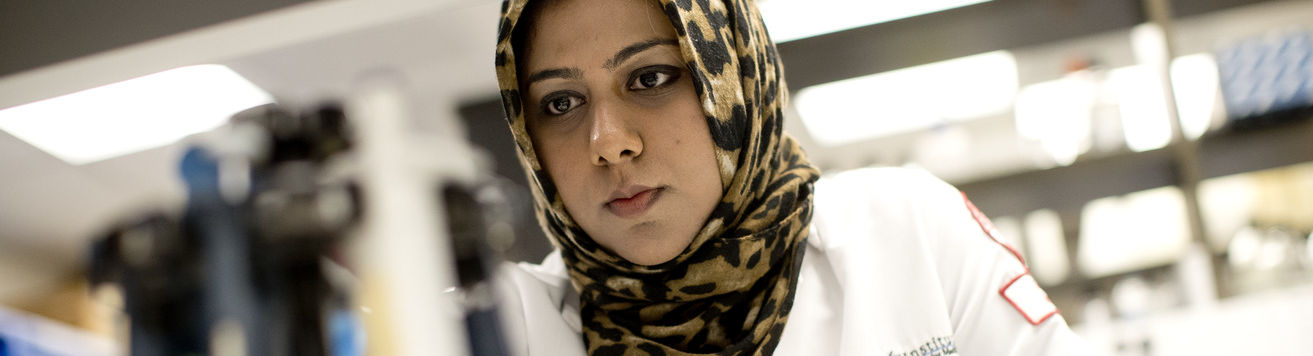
(730, 291)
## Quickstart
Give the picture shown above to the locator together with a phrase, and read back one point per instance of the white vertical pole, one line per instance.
(405, 261)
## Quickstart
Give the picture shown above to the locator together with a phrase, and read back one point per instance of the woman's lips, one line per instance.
(635, 205)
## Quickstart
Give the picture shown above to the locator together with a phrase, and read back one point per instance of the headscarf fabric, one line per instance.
(730, 291)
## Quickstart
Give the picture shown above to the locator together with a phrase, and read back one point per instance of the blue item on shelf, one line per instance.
(14, 347)
(1267, 78)
(347, 333)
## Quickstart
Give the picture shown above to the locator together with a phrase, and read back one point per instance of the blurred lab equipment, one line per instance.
(289, 242)
(240, 270)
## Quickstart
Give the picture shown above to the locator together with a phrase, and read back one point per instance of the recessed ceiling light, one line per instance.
(133, 115)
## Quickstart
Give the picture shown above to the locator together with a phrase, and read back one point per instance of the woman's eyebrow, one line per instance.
(562, 73)
(631, 50)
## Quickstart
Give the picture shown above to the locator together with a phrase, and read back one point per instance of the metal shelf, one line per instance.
(1220, 153)
(1067, 189)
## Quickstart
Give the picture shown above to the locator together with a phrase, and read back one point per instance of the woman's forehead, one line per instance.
(592, 31)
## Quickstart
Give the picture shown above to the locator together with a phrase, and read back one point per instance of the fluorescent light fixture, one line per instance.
(1057, 113)
(133, 115)
(789, 20)
(1195, 82)
(909, 99)
(1143, 107)
(1136, 230)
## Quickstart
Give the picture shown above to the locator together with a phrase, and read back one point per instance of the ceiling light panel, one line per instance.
(133, 115)
(910, 99)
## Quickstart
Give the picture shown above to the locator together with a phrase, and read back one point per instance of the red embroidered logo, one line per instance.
(1029, 299)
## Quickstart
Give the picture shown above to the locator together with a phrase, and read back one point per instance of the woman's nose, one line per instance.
(612, 140)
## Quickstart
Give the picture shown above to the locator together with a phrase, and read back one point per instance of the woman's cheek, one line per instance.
(566, 162)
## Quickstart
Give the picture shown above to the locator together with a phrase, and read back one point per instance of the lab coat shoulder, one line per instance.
(539, 308)
(872, 198)
(886, 207)
(904, 229)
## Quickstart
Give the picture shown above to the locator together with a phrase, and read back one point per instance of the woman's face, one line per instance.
(614, 119)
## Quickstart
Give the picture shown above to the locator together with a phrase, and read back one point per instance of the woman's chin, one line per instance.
(651, 256)
(650, 260)
(654, 240)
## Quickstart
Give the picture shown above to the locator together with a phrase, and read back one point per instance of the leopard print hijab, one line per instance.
(730, 291)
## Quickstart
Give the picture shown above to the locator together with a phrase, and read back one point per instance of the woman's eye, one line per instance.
(562, 104)
(650, 80)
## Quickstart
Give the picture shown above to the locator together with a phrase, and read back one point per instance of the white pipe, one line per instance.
(405, 261)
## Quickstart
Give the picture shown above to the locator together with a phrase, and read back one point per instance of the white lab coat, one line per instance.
(895, 265)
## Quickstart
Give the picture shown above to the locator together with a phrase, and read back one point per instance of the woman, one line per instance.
(683, 218)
